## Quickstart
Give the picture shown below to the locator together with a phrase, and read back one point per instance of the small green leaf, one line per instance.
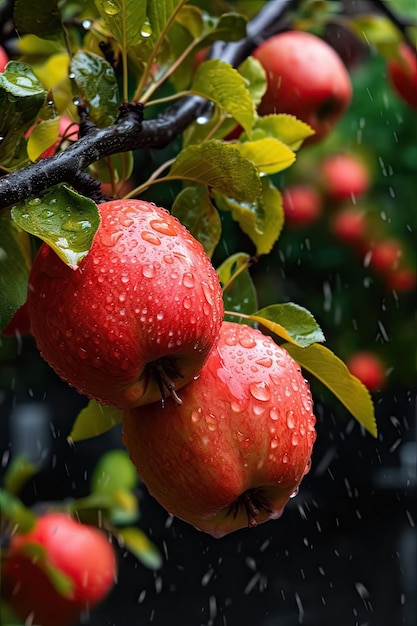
(125, 19)
(214, 164)
(283, 127)
(113, 471)
(38, 17)
(228, 27)
(18, 473)
(219, 82)
(138, 543)
(292, 322)
(62, 218)
(255, 77)
(42, 137)
(334, 374)
(15, 264)
(239, 293)
(268, 155)
(15, 512)
(261, 220)
(95, 419)
(97, 83)
(194, 209)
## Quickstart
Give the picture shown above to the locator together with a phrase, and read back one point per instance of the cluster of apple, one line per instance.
(56, 571)
(217, 417)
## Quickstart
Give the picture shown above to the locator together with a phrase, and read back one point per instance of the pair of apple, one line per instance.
(140, 320)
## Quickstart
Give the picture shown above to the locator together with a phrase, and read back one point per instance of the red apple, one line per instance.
(20, 322)
(343, 176)
(137, 317)
(385, 255)
(368, 368)
(401, 279)
(349, 225)
(402, 73)
(4, 59)
(82, 553)
(238, 447)
(305, 78)
(302, 204)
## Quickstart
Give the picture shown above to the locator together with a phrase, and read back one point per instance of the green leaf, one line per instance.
(292, 322)
(228, 27)
(15, 264)
(95, 419)
(261, 220)
(113, 471)
(160, 14)
(214, 164)
(97, 83)
(268, 155)
(239, 293)
(38, 17)
(15, 512)
(138, 544)
(62, 218)
(333, 373)
(42, 137)
(219, 82)
(254, 75)
(18, 473)
(125, 19)
(22, 97)
(194, 209)
(283, 127)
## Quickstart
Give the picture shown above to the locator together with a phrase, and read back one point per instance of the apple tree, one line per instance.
(146, 152)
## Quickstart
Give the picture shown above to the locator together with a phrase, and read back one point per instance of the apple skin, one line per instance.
(305, 78)
(401, 279)
(145, 302)
(20, 322)
(4, 59)
(302, 204)
(238, 447)
(81, 552)
(402, 74)
(349, 225)
(343, 176)
(385, 255)
(368, 368)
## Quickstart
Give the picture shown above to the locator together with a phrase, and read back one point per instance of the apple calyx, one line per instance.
(254, 501)
(165, 371)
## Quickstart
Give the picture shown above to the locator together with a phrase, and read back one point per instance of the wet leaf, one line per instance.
(15, 264)
(113, 471)
(261, 220)
(217, 165)
(254, 74)
(292, 322)
(97, 83)
(64, 219)
(124, 19)
(194, 209)
(95, 419)
(333, 373)
(228, 27)
(160, 14)
(138, 543)
(239, 293)
(219, 82)
(283, 127)
(18, 473)
(268, 155)
(38, 17)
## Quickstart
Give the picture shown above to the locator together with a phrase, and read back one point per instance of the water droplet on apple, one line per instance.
(126, 221)
(188, 280)
(274, 443)
(260, 391)
(109, 239)
(169, 259)
(273, 414)
(294, 438)
(150, 237)
(82, 353)
(265, 362)
(247, 341)
(285, 457)
(160, 316)
(163, 227)
(236, 407)
(290, 419)
(207, 291)
(258, 409)
(295, 492)
(294, 385)
(211, 422)
(186, 303)
(196, 415)
(148, 271)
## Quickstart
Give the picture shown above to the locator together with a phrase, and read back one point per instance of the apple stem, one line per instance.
(254, 501)
(165, 382)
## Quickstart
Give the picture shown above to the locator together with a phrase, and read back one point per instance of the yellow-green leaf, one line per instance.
(283, 127)
(269, 155)
(261, 220)
(214, 164)
(95, 419)
(113, 471)
(16, 513)
(18, 472)
(333, 373)
(239, 293)
(135, 540)
(42, 137)
(292, 322)
(219, 82)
